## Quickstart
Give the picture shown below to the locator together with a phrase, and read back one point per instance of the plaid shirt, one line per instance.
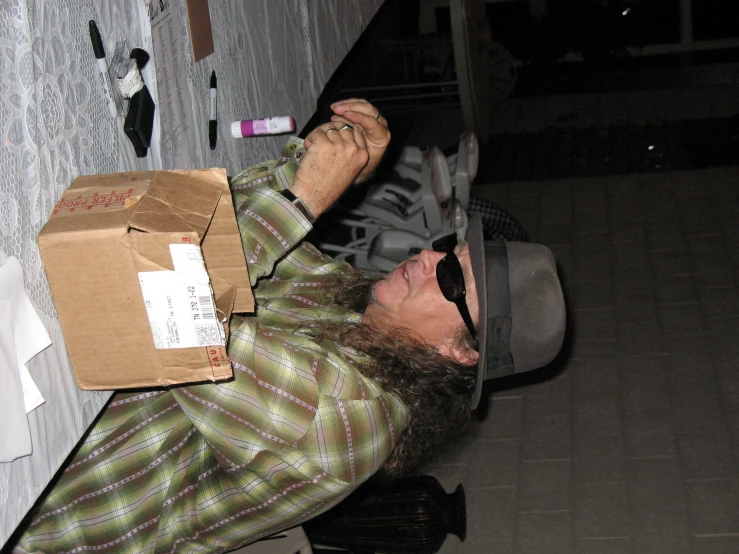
(209, 467)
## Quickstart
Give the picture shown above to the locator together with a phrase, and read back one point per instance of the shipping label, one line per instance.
(180, 304)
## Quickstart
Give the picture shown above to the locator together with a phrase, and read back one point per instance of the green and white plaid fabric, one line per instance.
(209, 467)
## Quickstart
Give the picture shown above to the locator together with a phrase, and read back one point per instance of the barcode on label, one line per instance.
(206, 307)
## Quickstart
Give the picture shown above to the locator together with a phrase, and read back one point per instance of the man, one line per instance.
(336, 376)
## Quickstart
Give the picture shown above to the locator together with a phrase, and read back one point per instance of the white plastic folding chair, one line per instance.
(392, 246)
(399, 218)
(461, 167)
(405, 204)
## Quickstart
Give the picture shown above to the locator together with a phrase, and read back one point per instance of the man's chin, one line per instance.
(373, 302)
(379, 289)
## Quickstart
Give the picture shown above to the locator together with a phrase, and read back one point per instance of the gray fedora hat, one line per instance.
(521, 306)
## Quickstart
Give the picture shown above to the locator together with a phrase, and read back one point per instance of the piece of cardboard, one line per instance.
(104, 231)
(201, 30)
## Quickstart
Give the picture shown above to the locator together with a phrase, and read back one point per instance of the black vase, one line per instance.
(414, 514)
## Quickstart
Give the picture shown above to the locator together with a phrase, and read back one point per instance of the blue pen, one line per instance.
(97, 48)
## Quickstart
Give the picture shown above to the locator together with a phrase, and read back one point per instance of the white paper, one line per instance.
(31, 338)
(174, 120)
(32, 397)
(22, 336)
(30, 335)
(15, 435)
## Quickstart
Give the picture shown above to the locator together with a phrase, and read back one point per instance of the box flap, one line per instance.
(150, 201)
(176, 202)
(224, 302)
(222, 248)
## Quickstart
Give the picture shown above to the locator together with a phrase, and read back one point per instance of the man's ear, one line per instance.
(465, 356)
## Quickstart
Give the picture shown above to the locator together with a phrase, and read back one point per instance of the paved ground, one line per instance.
(629, 442)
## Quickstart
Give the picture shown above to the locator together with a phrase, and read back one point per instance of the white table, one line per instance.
(271, 58)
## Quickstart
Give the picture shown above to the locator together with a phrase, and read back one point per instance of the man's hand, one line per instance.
(336, 152)
(361, 113)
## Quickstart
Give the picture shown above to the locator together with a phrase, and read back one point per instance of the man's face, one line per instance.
(409, 297)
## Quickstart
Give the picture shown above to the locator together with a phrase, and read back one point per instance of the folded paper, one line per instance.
(22, 336)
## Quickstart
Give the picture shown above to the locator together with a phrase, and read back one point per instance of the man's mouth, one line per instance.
(403, 270)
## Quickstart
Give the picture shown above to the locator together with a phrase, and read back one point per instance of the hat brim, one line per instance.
(476, 244)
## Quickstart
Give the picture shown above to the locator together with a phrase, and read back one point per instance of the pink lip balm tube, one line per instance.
(267, 126)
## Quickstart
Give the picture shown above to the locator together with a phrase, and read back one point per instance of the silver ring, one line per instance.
(377, 115)
(345, 126)
(327, 132)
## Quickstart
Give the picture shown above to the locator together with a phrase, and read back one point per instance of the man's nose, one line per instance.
(430, 258)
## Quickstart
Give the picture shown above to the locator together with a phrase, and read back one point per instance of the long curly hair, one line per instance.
(435, 388)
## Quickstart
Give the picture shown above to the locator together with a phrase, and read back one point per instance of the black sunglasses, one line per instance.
(450, 276)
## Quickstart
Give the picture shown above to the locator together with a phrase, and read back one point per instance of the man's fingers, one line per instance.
(348, 103)
(367, 121)
(337, 132)
(318, 134)
(372, 127)
(376, 133)
(359, 137)
(356, 105)
(326, 131)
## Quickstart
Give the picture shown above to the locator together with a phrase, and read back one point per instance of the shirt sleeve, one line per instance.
(270, 226)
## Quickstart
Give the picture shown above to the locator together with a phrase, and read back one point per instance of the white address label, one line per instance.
(181, 309)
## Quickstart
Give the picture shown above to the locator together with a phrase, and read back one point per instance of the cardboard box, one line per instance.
(122, 255)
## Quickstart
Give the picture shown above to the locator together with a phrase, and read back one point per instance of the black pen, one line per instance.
(212, 123)
(97, 48)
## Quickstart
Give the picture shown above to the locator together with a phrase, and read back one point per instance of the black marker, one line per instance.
(97, 48)
(212, 123)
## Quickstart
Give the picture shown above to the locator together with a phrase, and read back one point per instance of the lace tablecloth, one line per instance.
(271, 58)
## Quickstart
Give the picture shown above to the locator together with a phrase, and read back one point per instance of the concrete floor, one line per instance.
(629, 443)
